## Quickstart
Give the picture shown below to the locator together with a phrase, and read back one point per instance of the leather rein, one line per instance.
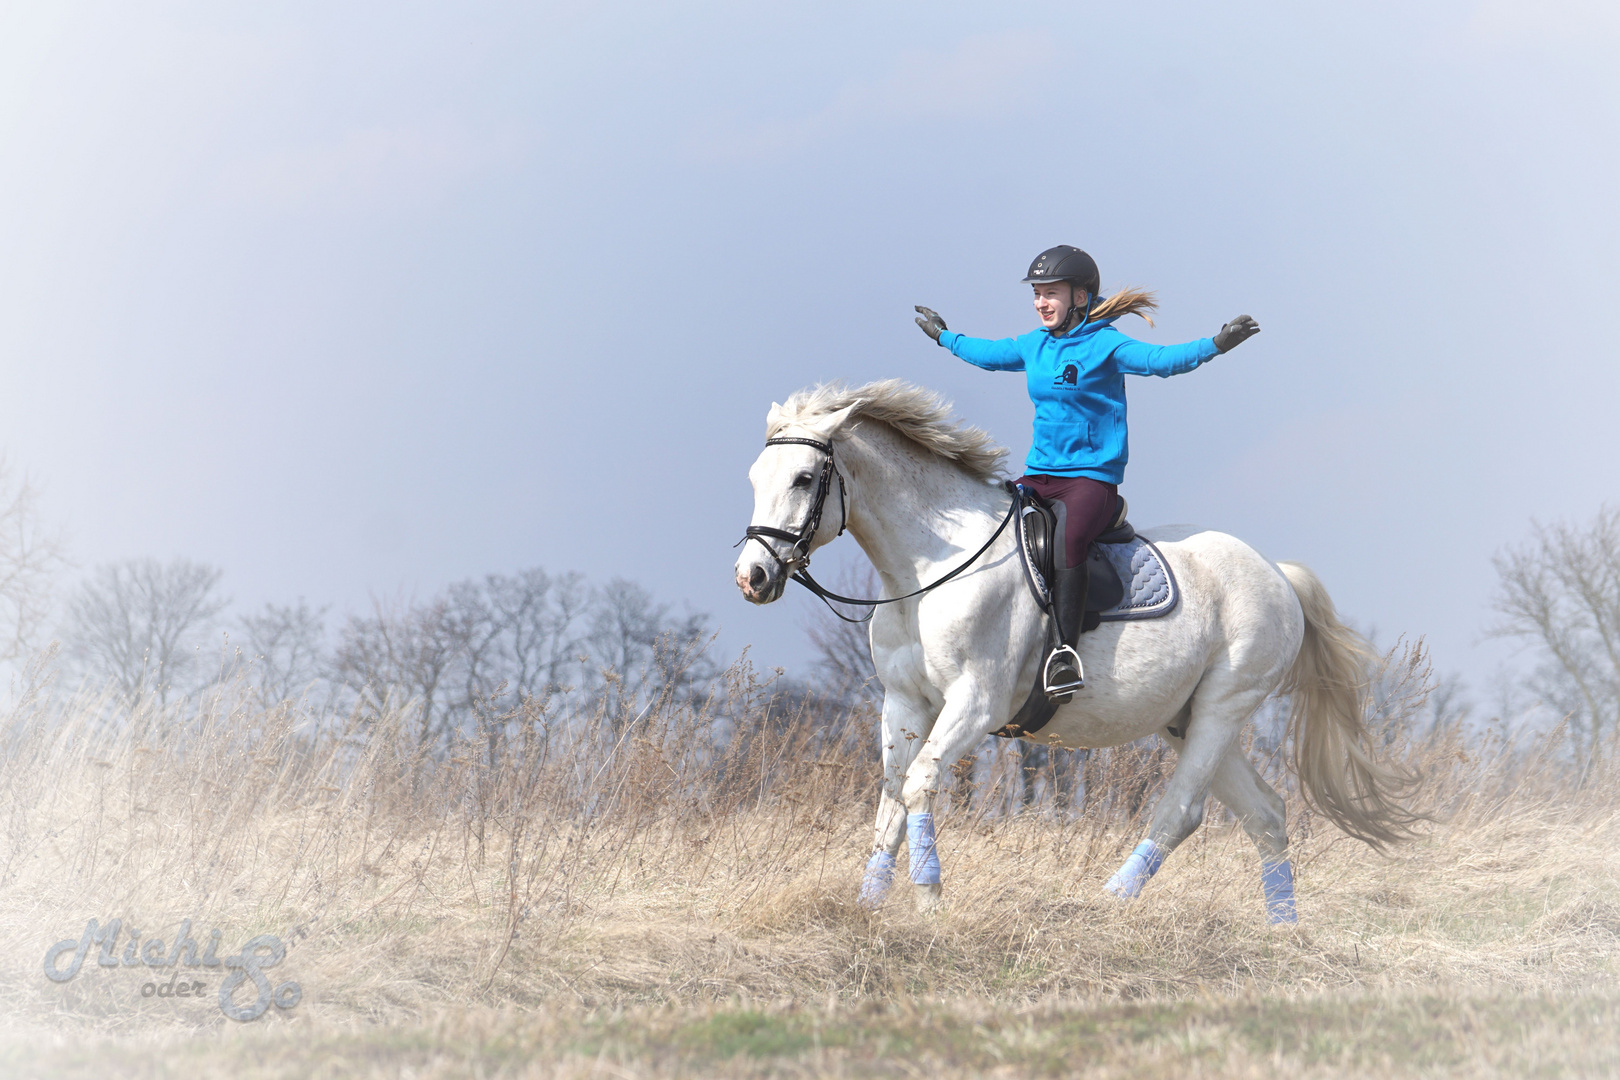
(797, 562)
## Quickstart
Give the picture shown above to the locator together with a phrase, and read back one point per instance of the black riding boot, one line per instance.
(1062, 674)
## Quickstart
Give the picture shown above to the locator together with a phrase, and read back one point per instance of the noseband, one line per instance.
(797, 563)
(798, 557)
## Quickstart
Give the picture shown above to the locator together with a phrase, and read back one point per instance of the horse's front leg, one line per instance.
(960, 726)
(906, 724)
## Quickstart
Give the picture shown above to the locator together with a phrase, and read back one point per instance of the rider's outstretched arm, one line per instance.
(1139, 358)
(1003, 355)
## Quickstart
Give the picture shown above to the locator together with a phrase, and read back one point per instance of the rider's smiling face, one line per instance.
(1053, 300)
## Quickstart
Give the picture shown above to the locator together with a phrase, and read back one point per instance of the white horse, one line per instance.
(918, 492)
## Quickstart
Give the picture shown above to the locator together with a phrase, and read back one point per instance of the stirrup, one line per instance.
(1063, 652)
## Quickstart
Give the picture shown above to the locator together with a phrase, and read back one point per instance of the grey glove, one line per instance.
(1235, 332)
(931, 323)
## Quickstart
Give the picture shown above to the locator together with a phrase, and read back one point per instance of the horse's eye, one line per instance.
(803, 480)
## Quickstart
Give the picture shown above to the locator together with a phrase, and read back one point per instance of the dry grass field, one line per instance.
(564, 896)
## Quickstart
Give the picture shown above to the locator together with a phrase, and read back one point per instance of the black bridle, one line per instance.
(799, 554)
(797, 563)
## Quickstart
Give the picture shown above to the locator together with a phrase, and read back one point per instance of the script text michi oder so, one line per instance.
(257, 956)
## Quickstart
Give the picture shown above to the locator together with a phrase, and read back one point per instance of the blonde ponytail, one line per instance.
(1126, 302)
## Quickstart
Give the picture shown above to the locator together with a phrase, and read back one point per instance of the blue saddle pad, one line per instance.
(1150, 584)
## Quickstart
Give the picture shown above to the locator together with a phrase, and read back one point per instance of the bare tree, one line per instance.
(402, 652)
(1450, 705)
(31, 557)
(640, 647)
(843, 648)
(287, 648)
(525, 632)
(1561, 591)
(139, 625)
(476, 653)
(522, 639)
(625, 625)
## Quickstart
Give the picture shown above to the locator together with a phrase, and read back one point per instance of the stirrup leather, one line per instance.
(1063, 652)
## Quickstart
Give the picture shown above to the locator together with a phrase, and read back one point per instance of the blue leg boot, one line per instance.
(878, 878)
(1278, 880)
(1143, 863)
(920, 839)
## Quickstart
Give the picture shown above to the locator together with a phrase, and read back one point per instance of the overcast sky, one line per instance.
(361, 299)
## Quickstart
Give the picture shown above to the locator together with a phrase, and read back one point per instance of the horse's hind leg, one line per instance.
(1221, 705)
(1260, 809)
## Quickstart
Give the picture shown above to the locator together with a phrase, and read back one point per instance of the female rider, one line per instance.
(1075, 367)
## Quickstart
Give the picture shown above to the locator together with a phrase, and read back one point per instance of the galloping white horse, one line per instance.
(917, 491)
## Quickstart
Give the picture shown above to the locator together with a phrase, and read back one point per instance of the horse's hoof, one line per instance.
(929, 898)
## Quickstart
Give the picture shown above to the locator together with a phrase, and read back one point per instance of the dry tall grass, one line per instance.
(673, 891)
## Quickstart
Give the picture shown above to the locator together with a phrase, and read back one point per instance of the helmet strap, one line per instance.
(1073, 310)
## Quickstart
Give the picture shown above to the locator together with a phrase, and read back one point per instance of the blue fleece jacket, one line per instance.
(1078, 385)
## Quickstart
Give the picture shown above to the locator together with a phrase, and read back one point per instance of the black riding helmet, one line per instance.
(1065, 263)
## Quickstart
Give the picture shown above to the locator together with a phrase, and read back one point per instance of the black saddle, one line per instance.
(1037, 533)
(1037, 527)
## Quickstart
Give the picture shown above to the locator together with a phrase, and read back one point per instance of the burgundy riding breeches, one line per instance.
(1089, 507)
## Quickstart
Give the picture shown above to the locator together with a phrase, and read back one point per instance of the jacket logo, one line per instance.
(1069, 376)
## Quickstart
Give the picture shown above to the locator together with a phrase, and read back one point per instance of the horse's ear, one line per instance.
(773, 419)
(829, 425)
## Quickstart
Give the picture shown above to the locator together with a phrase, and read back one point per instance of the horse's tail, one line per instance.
(1329, 691)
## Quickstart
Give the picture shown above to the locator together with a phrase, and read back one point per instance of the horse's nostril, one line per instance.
(756, 578)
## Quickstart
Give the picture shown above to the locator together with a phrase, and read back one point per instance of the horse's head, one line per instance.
(800, 501)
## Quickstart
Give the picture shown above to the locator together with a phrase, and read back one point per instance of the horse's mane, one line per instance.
(920, 415)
